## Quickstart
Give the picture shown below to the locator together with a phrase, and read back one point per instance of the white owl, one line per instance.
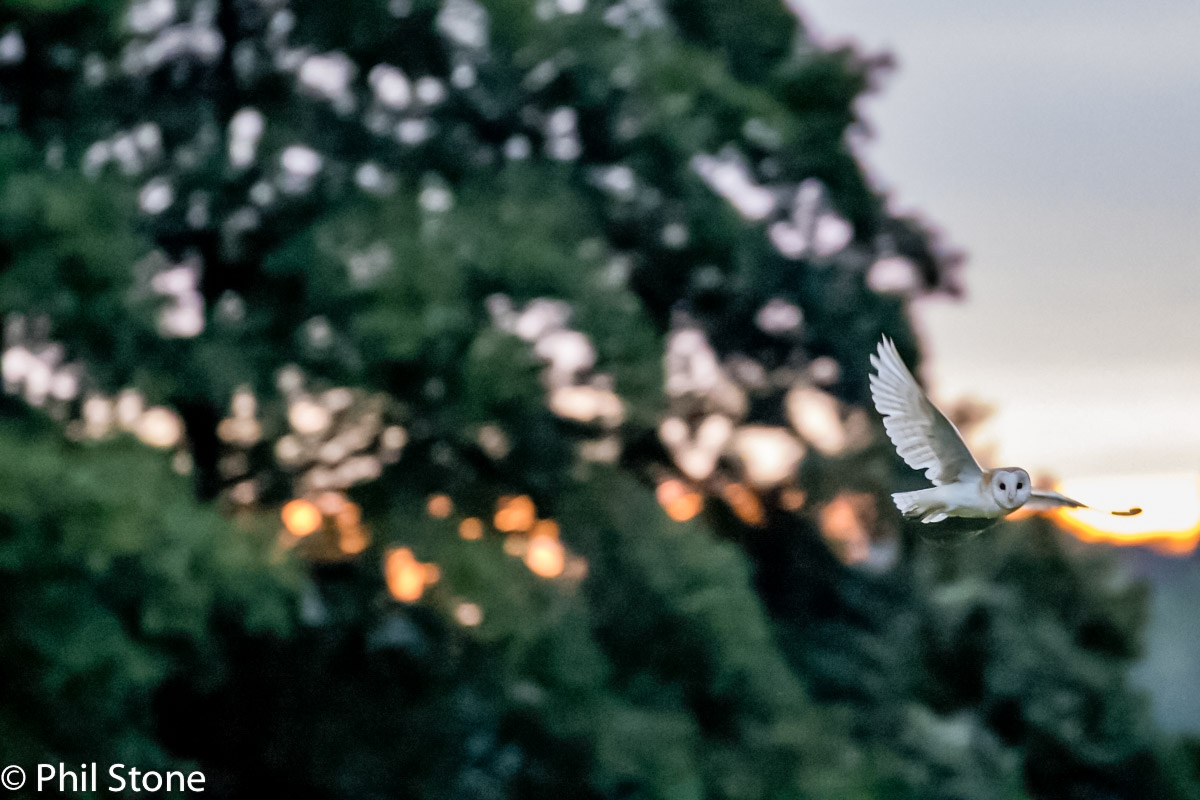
(927, 440)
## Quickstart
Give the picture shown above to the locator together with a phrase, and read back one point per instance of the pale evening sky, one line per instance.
(1058, 144)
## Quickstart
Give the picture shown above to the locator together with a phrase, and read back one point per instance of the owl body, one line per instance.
(974, 499)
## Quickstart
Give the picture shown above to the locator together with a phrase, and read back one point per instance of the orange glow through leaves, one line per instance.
(440, 506)
(301, 517)
(845, 521)
(352, 537)
(545, 556)
(471, 529)
(792, 499)
(349, 515)
(515, 514)
(744, 503)
(352, 541)
(680, 501)
(407, 577)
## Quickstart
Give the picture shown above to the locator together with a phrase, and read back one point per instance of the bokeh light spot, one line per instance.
(301, 517)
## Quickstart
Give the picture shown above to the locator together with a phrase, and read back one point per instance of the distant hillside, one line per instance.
(1171, 667)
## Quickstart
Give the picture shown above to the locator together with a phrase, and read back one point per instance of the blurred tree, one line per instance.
(114, 589)
(456, 283)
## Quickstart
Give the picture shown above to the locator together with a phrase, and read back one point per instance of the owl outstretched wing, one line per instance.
(1046, 500)
(923, 436)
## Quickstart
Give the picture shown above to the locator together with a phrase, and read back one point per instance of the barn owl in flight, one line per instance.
(927, 440)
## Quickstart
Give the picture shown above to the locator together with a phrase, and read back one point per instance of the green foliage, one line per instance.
(1039, 641)
(116, 582)
(706, 655)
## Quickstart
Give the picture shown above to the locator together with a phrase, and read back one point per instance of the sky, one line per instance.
(1057, 144)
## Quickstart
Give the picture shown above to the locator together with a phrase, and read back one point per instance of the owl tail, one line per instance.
(922, 503)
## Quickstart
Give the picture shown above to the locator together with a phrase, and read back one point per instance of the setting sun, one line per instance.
(1170, 520)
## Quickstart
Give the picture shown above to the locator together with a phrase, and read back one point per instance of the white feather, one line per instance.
(922, 434)
(1045, 500)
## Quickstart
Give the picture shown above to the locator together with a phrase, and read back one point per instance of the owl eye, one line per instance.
(1002, 486)
(1020, 485)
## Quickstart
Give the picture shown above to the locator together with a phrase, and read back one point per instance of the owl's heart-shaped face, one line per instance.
(1010, 487)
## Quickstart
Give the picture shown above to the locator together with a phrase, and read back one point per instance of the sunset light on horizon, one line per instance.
(1170, 518)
